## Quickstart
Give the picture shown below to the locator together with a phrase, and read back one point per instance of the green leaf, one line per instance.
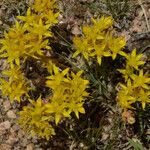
(135, 144)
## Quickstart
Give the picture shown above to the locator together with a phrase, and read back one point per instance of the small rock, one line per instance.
(5, 125)
(76, 30)
(15, 127)
(105, 136)
(12, 139)
(17, 147)
(24, 142)
(5, 147)
(30, 147)
(6, 105)
(21, 134)
(11, 114)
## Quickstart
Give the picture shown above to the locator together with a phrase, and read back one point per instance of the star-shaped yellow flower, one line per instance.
(141, 80)
(133, 60)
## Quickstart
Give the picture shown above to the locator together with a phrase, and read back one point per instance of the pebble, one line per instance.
(15, 127)
(12, 139)
(104, 136)
(11, 114)
(5, 147)
(21, 134)
(1, 22)
(6, 105)
(76, 30)
(5, 125)
(24, 142)
(30, 147)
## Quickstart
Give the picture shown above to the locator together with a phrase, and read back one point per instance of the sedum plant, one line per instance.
(69, 93)
(29, 39)
(26, 39)
(137, 83)
(98, 41)
(68, 96)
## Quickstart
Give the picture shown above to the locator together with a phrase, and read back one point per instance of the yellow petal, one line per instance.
(81, 110)
(57, 119)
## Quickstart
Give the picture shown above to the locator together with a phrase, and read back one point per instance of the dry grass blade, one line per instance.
(145, 14)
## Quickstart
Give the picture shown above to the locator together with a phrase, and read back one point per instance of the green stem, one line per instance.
(69, 44)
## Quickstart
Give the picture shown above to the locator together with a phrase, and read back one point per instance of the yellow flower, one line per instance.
(16, 86)
(99, 52)
(40, 30)
(36, 46)
(82, 46)
(76, 108)
(76, 93)
(16, 32)
(22, 41)
(92, 35)
(141, 80)
(125, 100)
(133, 60)
(57, 108)
(97, 41)
(127, 72)
(14, 90)
(14, 43)
(116, 45)
(34, 120)
(13, 74)
(137, 86)
(128, 89)
(144, 97)
(103, 23)
(68, 94)
(31, 18)
(51, 17)
(42, 6)
(55, 80)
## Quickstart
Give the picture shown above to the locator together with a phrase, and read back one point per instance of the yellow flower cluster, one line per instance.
(24, 40)
(98, 41)
(29, 38)
(137, 84)
(68, 93)
(15, 86)
(68, 96)
(34, 120)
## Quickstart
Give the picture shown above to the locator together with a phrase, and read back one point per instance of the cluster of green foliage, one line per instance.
(29, 39)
